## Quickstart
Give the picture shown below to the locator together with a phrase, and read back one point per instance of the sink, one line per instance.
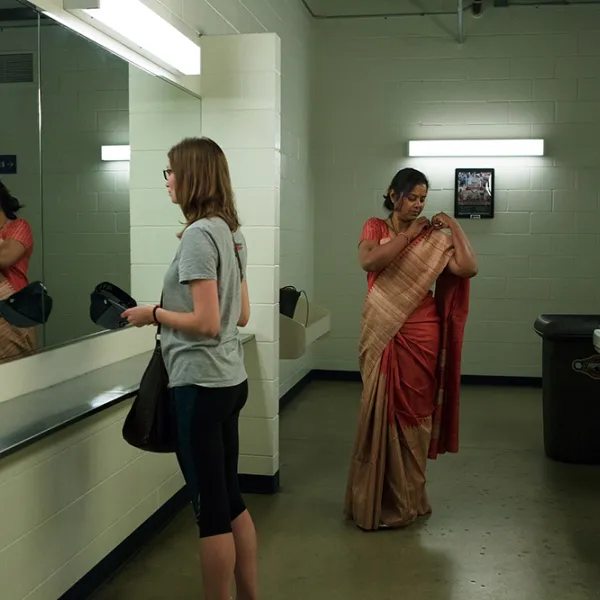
(597, 340)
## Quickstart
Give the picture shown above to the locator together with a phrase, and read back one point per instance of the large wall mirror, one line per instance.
(65, 214)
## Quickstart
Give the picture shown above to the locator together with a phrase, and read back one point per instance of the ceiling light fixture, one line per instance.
(135, 22)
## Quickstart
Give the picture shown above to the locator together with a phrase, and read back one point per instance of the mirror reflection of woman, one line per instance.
(410, 351)
(16, 247)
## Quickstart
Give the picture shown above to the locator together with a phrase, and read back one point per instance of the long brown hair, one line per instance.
(202, 181)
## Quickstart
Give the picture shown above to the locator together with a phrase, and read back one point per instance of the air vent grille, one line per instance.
(16, 68)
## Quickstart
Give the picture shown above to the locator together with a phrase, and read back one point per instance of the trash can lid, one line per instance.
(561, 327)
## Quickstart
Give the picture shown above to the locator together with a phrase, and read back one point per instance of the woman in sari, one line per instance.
(16, 247)
(409, 354)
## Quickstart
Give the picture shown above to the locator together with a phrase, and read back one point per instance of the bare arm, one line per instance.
(205, 320)
(245, 314)
(375, 257)
(464, 262)
(10, 253)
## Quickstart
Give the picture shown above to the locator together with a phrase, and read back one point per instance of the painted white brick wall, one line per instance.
(522, 72)
(96, 490)
(290, 21)
(241, 108)
(85, 201)
(161, 115)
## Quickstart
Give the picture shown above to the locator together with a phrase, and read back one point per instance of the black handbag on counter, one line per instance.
(288, 301)
(149, 424)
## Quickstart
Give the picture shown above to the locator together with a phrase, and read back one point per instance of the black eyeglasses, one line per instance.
(167, 173)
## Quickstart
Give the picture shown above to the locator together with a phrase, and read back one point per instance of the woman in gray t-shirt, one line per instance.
(205, 299)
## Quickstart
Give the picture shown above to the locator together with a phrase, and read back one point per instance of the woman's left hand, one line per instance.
(140, 316)
(442, 221)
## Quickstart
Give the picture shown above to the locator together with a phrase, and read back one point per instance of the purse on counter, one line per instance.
(149, 425)
(288, 301)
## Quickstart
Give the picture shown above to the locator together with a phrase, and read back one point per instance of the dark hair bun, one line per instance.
(387, 203)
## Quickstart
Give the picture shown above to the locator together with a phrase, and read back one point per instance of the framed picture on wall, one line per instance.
(474, 194)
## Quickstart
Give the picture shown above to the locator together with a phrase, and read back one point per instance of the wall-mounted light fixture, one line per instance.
(473, 148)
(136, 23)
(116, 153)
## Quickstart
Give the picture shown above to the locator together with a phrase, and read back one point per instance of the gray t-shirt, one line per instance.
(206, 251)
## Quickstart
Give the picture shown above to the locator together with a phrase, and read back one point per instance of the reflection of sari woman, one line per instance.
(409, 355)
(16, 246)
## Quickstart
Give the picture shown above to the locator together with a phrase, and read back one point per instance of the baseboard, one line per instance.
(326, 375)
(491, 380)
(502, 380)
(259, 484)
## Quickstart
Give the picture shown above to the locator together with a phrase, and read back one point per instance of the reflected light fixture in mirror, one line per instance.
(137, 23)
(472, 148)
(116, 153)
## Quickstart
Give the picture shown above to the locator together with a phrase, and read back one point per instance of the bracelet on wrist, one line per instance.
(154, 314)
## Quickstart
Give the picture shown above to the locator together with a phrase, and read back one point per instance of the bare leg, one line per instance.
(217, 557)
(246, 567)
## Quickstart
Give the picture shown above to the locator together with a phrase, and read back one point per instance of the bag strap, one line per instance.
(237, 255)
(239, 261)
(159, 326)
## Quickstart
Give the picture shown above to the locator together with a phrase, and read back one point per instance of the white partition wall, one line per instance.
(241, 85)
(160, 116)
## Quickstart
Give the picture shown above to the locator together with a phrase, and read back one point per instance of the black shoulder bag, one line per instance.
(148, 425)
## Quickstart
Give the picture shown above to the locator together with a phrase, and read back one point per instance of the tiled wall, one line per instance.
(291, 22)
(161, 115)
(522, 72)
(241, 100)
(85, 200)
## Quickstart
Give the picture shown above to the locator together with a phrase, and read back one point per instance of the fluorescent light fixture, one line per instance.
(91, 33)
(476, 148)
(136, 22)
(113, 153)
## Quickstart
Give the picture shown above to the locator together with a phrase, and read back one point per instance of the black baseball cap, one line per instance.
(107, 303)
(28, 307)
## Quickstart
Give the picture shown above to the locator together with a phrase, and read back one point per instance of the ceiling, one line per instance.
(332, 9)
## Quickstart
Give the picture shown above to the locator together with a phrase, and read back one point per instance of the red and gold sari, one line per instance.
(14, 342)
(410, 353)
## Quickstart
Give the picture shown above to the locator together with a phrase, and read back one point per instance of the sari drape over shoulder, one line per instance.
(409, 355)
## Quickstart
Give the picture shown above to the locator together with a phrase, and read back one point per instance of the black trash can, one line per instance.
(571, 387)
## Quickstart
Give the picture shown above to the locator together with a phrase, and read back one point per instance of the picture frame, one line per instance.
(474, 193)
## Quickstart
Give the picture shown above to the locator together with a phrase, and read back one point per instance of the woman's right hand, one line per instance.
(417, 227)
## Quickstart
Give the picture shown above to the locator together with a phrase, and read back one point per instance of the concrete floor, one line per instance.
(508, 524)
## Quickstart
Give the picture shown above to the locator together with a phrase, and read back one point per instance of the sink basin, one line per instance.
(597, 340)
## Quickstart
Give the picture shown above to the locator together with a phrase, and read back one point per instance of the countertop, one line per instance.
(31, 417)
